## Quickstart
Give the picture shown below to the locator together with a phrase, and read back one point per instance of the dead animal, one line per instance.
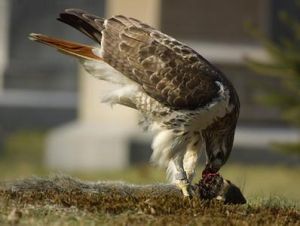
(215, 186)
(116, 197)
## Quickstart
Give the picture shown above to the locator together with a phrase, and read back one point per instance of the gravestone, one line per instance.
(102, 137)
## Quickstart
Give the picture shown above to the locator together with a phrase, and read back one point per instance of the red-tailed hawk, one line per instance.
(189, 104)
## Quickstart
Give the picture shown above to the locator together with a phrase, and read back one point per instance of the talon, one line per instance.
(185, 188)
(190, 176)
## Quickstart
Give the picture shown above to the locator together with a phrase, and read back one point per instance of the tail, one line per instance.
(71, 48)
(88, 24)
(91, 59)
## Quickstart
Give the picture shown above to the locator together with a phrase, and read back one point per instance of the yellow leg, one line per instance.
(185, 187)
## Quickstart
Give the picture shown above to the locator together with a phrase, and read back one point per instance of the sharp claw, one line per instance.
(185, 188)
(190, 197)
(187, 193)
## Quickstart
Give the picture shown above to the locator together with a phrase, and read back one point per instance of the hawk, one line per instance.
(189, 104)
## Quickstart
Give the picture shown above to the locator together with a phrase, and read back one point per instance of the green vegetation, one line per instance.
(284, 64)
(24, 146)
(272, 192)
(67, 201)
(23, 158)
(22, 154)
(209, 215)
(256, 182)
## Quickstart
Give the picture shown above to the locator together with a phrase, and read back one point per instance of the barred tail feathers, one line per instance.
(67, 47)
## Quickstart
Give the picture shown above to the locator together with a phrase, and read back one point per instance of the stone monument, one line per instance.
(101, 137)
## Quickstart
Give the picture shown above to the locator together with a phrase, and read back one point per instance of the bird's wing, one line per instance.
(167, 70)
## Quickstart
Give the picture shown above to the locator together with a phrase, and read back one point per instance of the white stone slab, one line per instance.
(86, 146)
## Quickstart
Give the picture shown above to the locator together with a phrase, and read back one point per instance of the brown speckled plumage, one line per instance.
(188, 102)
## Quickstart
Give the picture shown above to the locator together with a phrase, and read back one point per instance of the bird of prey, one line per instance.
(189, 104)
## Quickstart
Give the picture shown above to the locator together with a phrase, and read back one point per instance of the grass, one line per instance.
(254, 181)
(272, 192)
(67, 201)
(208, 215)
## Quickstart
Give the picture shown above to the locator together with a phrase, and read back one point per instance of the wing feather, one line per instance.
(168, 70)
(87, 23)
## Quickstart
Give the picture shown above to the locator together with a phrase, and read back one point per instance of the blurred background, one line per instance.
(52, 118)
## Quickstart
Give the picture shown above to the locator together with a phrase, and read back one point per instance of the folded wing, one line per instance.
(167, 70)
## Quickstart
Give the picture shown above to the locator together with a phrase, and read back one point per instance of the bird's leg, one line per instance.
(192, 154)
(181, 179)
(190, 162)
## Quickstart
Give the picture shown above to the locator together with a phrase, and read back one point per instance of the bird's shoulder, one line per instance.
(167, 69)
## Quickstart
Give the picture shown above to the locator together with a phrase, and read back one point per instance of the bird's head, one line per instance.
(219, 144)
(214, 163)
(219, 138)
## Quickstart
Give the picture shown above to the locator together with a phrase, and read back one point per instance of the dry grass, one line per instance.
(63, 200)
(272, 192)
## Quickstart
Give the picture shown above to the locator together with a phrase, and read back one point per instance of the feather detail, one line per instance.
(85, 22)
(179, 93)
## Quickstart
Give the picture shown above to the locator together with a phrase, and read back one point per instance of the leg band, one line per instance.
(180, 176)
